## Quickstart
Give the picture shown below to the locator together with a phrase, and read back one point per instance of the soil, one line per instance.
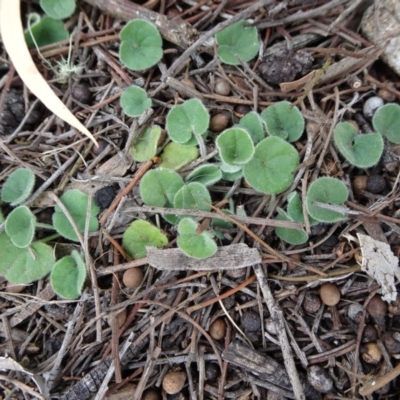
(271, 336)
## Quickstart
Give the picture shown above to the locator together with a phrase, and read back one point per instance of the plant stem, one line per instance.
(44, 226)
(49, 238)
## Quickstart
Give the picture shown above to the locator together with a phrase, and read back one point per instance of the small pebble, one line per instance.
(376, 184)
(104, 196)
(370, 334)
(319, 379)
(391, 344)
(222, 87)
(81, 93)
(250, 321)
(371, 105)
(133, 277)
(311, 303)
(218, 329)
(355, 312)
(329, 293)
(371, 353)
(219, 122)
(174, 381)
(212, 372)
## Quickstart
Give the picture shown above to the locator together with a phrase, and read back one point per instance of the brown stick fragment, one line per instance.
(175, 30)
(264, 368)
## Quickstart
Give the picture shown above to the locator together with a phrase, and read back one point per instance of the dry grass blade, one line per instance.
(12, 34)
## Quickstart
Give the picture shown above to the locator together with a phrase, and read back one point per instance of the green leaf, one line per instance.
(363, 150)
(290, 235)
(295, 209)
(187, 119)
(18, 186)
(254, 125)
(139, 235)
(58, 9)
(235, 146)
(272, 166)
(175, 156)
(221, 223)
(386, 121)
(68, 276)
(45, 31)
(193, 196)
(20, 226)
(194, 244)
(237, 39)
(159, 186)
(284, 121)
(141, 46)
(330, 191)
(232, 176)
(145, 147)
(76, 203)
(134, 101)
(207, 174)
(24, 265)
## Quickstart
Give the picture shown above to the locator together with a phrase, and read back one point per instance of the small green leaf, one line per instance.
(76, 203)
(187, 120)
(207, 174)
(139, 235)
(230, 169)
(295, 209)
(235, 146)
(175, 156)
(290, 235)
(363, 150)
(58, 9)
(284, 121)
(45, 31)
(330, 191)
(193, 196)
(386, 121)
(221, 223)
(68, 276)
(134, 101)
(272, 166)
(237, 39)
(159, 186)
(145, 147)
(24, 265)
(194, 244)
(18, 186)
(141, 46)
(20, 226)
(254, 125)
(232, 176)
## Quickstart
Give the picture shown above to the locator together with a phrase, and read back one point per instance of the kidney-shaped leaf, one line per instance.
(24, 265)
(68, 276)
(237, 39)
(141, 46)
(363, 151)
(295, 209)
(139, 235)
(187, 119)
(196, 245)
(18, 186)
(175, 156)
(271, 168)
(159, 186)
(58, 9)
(284, 121)
(254, 125)
(76, 203)
(329, 191)
(145, 147)
(44, 31)
(193, 196)
(207, 174)
(20, 226)
(386, 121)
(290, 235)
(134, 101)
(235, 146)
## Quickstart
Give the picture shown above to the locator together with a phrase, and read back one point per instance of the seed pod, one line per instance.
(174, 381)
(250, 321)
(133, 277)
(219, 122)
(371, 105)
(218, 329)
(151, 394)
(81, 93)
(329, 293)
(377, 309)
(311, 303)
(222, 87)
(241, 110)
(371, 353)
(319, 379)
(376, 184)
(359, 184)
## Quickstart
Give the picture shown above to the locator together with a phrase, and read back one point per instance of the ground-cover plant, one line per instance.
(25, 259)
(141, 45)
(386, 121)
(145, 147)
(361, 150)
(134, 101)
(45, 30)
(238, 39)
(58, 9)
